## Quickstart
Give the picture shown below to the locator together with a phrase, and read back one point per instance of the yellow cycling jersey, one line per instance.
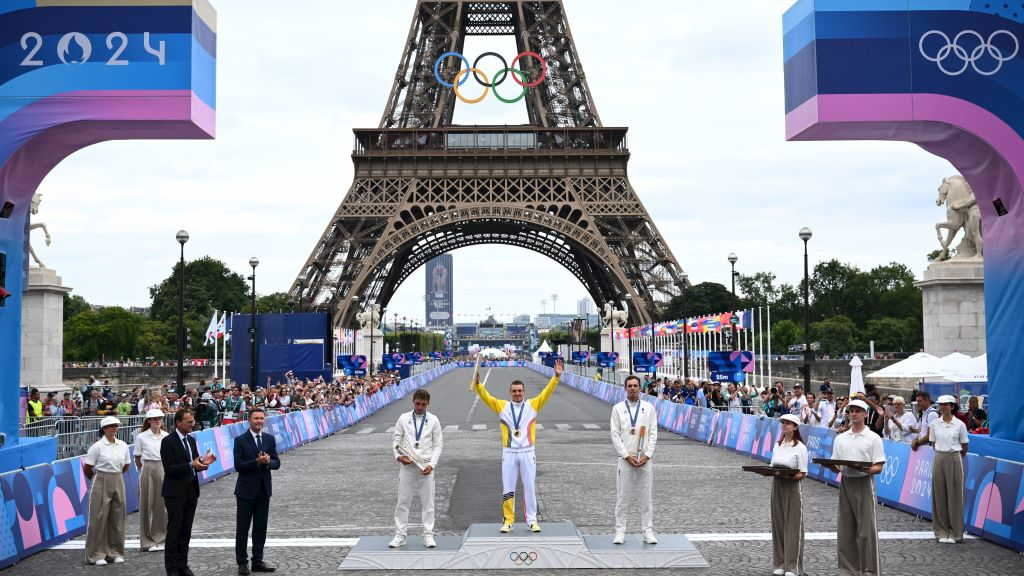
(524, 414)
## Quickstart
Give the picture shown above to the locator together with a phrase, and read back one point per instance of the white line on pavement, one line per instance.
(390, 429)
(615, 463)
(562, 426)
(591, 427)
(366, 430)
(538, 426)
(451, 428)
(350, 542)
(479, 427)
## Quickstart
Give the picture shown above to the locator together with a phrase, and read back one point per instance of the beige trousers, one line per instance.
(948, 495)
(105, 534)
(152, 512)
(858, 529)
(787, 526)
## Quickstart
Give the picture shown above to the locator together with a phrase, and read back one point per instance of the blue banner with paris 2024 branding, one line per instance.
(607, 359)
(580, 357)
(726, 366)
(352, 364)
(646, 362)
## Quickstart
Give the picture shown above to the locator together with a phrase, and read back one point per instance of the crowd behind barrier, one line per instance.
(994, 500)
(48, 504)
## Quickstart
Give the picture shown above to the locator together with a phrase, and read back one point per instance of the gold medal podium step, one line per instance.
(560, 545)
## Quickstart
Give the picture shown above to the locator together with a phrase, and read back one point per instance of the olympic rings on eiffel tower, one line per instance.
(518, 76)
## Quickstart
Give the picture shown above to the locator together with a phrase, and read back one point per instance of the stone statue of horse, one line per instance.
(962, 213)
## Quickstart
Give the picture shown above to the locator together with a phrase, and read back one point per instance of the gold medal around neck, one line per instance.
(516, 433)
(632, 431)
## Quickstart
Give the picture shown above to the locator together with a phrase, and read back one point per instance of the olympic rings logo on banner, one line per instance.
(522, 558)
(520, 77)
(968, 56)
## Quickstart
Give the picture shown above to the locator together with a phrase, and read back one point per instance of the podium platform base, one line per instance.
(560, 545)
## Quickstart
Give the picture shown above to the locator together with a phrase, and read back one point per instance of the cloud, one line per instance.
(699, 84)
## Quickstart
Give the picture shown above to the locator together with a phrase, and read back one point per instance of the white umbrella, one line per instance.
(954, 364)
(856, 376)
(972, 370)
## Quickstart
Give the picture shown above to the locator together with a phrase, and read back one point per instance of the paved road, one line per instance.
(333, 491)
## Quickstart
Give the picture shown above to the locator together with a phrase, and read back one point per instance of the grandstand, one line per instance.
(491, 333)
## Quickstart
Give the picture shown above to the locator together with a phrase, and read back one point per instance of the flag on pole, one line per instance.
(211, 330)
(222, 325)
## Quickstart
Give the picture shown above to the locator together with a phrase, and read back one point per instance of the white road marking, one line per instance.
(366, 430)
(479, 427)
(562, 426)
(227, 543)
(390, 430)
(591, 427)
(451, 428)
(538, 426)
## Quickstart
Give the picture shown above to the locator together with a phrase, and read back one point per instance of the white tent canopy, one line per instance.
(920, 366)
(971, 370)
(544, 347)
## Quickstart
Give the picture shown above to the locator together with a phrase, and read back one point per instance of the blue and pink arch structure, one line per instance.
(75, 73)
(947, 75)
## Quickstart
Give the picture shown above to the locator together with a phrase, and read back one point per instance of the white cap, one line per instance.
(858, 404)
(154, 413)
(946, 399)
(790, 418)
(109, 421)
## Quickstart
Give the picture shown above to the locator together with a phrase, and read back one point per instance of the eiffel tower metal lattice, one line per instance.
(423, 186)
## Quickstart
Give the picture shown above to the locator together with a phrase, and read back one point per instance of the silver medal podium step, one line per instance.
(560, 545)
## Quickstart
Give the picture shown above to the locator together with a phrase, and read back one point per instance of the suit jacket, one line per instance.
(254, 478)
(180, 480)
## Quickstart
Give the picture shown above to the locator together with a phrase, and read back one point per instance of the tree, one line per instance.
(835, 335)
(889, 334)
(209, 286)
(704, 298)
(758, 289)
(74, 305)
(270, 303)
(785, 333)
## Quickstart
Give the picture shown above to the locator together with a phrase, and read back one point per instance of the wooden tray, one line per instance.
(771, 470)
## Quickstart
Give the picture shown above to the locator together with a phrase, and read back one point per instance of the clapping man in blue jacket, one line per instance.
(255, 457)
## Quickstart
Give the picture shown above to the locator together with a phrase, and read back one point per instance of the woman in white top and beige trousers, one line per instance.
(786, 504)
(948, 436)
(105, 464)
(152, 511)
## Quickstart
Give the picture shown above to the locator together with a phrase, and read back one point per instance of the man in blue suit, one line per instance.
(255, 456)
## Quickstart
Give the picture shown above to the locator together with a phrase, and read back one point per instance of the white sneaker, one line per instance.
(397, 542)
(429, 541)
(791, 574)
(100, 562)
(157, 548)
(620, 538)
(947, 541)
(649, 537)
(778, 572)
(118, 560)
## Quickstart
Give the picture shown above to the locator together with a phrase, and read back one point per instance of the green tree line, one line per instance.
(849, 307)
(113, 333)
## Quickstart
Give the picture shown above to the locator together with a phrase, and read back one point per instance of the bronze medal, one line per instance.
(632, 431)
(516, 433)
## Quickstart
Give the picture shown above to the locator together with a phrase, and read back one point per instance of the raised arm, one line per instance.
(491, 402)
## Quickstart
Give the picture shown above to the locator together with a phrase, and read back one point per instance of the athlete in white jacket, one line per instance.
(634, 427)
(416, 445)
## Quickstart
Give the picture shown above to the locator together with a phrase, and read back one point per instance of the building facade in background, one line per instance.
(439, 313)
(585, 307)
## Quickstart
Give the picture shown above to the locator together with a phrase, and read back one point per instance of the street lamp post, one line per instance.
(615, 362)
(629, 336)
(805, 235)
(253, 350)
(182, 237)
(732, 262)
(372, 322)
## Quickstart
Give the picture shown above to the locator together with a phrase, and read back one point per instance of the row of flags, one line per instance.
(218, 328)
(744, 320)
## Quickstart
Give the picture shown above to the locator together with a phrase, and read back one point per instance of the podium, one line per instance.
(559, 546)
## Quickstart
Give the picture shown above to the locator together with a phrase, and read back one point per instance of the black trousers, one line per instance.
(256, 512)
(180, 514)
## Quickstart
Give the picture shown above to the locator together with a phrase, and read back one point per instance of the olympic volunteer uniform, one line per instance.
(628, 420)
(420, 435)
(518, 457)
(787, 509)
(858, 529)
(948, 439)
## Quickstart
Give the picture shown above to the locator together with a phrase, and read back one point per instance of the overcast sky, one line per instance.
(698, 83)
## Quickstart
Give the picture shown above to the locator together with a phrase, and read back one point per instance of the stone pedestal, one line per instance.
(954, 307)
(42, 330)
(363, 346)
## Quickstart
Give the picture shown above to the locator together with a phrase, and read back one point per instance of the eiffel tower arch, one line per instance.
(423, 186)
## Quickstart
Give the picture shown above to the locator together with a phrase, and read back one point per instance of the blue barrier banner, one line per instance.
(889, 484)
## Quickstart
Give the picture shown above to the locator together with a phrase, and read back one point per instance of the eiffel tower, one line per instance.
(424, 186)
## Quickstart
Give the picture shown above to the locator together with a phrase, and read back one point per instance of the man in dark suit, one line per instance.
(182, 465)
(255, 456)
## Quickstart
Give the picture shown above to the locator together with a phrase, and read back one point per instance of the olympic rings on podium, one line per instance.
(518, 76)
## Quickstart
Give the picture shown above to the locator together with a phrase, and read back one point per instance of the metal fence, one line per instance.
(75, 435)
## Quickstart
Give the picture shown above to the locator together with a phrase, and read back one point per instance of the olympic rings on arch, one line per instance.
(519, 76)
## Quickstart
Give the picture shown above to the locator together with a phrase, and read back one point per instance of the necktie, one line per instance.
(188, 452)
(259, 443)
